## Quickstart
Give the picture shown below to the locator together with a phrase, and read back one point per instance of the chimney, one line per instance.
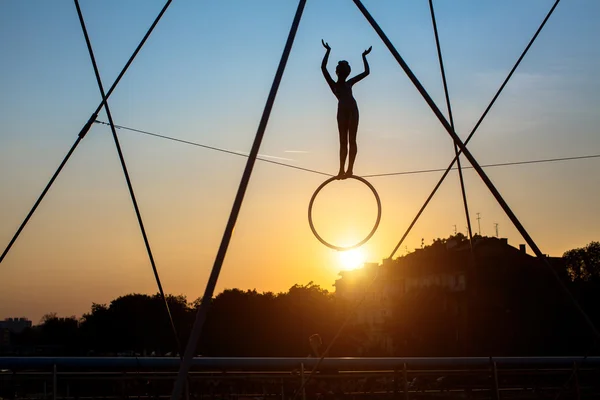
(522, 248)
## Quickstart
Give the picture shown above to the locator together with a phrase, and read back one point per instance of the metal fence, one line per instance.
(280, 378)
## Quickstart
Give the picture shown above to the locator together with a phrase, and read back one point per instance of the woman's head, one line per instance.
(343, 69)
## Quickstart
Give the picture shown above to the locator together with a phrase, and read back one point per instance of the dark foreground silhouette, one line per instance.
(347, 114)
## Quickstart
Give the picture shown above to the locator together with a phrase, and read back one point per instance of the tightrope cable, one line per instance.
(398, 173)
(235, 153)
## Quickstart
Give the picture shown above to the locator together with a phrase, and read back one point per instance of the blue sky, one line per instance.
(204, 76)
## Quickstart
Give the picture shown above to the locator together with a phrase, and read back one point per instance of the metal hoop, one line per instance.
(332, 246)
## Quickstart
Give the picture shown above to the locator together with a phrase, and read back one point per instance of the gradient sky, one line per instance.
(204, 76)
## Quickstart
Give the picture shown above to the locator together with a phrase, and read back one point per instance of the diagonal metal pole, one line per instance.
(80, 136)
(237, 204)
(488, 108)
(126, 173)
(447, 95)
(449, 129)
(83, 132)
(477, 167)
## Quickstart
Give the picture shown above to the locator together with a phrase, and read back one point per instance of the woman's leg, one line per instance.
(342, 120)
(352, 131)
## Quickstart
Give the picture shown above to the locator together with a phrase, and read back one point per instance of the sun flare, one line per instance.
(352, 259)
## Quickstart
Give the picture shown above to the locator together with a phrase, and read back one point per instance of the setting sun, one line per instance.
(352, 259)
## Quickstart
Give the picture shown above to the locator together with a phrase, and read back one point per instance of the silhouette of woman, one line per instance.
(347, 114)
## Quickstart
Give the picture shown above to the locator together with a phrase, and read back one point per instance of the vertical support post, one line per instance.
(123, 388)
(14, 384)
(495, 381)
(405, 375)
(54, 383)
(576, 380)
(186, 392)
(396, 386)
(302, 381)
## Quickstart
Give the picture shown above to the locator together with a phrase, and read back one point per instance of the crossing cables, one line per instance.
(475, 165)
(488, 108)
(126, 173)
(451, 119)
(84, 130)
(494, 191)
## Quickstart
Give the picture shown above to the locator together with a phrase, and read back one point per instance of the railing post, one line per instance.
(54, 383)
(405, 375)
(13, 391)
(495, 380)
(123, 386)
(302, 381)
(282, 390)
(576, 379)
(396, 377)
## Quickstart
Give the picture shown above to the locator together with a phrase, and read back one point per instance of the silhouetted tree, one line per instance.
(60, 333)
(135, 323)
(583, 264)
(248, 323)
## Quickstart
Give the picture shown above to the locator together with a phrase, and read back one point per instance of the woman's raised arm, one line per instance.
(358, 77)
(330, 81)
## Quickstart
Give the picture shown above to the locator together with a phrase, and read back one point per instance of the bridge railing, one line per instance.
(280, 378)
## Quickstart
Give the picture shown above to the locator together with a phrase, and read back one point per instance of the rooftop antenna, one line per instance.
(454, 229)
(479, 223)
(496, 226)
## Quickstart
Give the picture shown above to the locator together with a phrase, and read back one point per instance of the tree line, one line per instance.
(533, 320)
(239, 323)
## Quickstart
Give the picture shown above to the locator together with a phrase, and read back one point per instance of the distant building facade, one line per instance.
(12, 325)
(443, 294)
(16, 325)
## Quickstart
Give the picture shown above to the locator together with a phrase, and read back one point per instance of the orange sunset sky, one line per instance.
(204, 76)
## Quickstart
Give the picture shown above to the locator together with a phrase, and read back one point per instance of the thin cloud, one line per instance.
(275, 157)
(245, 153)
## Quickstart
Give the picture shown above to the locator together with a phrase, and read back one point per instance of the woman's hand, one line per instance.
(326, 45)
(367, 51)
